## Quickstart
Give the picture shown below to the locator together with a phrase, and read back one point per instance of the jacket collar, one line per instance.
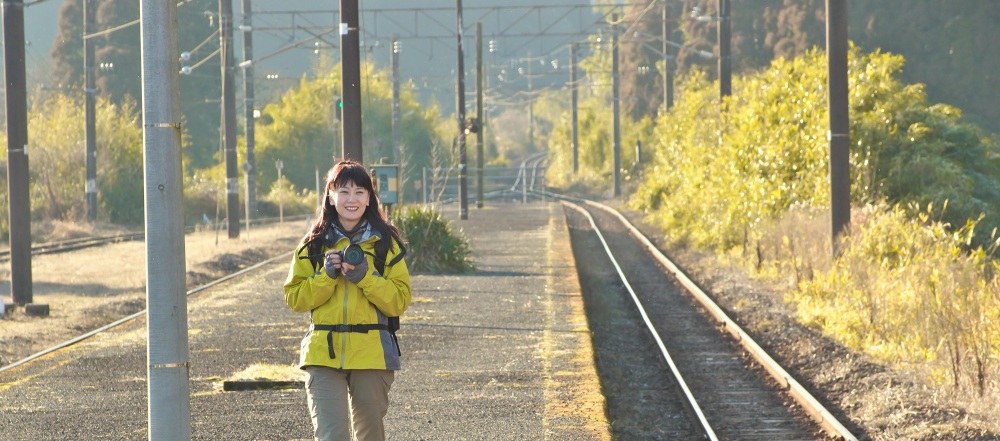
(361, 233)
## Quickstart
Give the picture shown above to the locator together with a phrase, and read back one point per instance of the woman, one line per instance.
(349, 353)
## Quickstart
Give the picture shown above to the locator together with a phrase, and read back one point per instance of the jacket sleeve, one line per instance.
(391, 292)
(306, 288)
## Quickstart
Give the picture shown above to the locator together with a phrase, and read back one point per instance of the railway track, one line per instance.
(728, 388)
(75, 244)
(87, 242)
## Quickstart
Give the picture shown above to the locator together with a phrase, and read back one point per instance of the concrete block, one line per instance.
(36, 310)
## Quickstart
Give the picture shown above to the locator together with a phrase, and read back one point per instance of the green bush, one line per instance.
(906, 290)
(434, 245)
(287, 200)
(718, 176)
(916, 287)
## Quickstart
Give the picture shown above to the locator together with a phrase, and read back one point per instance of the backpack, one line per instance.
(380, 265)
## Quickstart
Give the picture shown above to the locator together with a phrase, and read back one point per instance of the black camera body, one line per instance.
(353, 254)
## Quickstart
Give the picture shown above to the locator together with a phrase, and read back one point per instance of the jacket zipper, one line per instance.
(343, 336)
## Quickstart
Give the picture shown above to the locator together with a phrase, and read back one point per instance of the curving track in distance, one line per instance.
(730, 387)
(724, 380)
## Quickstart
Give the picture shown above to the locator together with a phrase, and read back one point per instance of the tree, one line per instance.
(67, 51)
(119, 53)
(301, 130)
(56, 128)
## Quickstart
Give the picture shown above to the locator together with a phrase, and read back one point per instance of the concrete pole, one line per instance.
(573, 98)
(90, 90)
(18, 183)
(616, 147)
(725, 59)
(396, 118)
(531, 103)
(229, 117)
(840, 130)
(248, 111)
(350, 74)
(463, 174)
(168, 362)
(668, 70)
(479, 115)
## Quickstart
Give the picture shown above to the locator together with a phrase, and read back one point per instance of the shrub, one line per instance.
(434, 246)
(289, 200)
(906, 290)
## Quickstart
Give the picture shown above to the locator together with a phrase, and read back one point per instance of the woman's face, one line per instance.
(350, 202)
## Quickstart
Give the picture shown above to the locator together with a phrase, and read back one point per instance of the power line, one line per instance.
(119, 27)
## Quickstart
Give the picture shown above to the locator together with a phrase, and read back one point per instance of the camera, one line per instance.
(353, 254)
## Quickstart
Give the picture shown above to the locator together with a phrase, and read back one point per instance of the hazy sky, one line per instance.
(40, 30)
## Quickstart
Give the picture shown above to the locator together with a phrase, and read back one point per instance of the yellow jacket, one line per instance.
(340, 302)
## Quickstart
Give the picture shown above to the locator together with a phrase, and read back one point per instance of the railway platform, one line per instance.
(500, 353)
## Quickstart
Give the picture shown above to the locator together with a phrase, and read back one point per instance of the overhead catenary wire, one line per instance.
(211, 37)
(207, 57)
(119, 27)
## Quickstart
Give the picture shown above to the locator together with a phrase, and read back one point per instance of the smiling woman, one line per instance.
(350, 353)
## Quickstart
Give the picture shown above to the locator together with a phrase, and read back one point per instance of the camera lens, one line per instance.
(354, 254)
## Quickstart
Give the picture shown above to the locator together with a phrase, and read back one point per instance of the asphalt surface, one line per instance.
(502, 353)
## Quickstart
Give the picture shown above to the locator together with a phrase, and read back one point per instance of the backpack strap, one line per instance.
(380, 265)
(380, 262)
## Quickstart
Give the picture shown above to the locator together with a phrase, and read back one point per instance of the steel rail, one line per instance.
(813, 407)
(126, 319)
(690, 401)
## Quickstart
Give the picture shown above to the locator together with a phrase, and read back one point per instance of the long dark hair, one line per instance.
(340, 175)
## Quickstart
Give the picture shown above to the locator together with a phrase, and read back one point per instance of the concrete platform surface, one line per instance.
(502, 353)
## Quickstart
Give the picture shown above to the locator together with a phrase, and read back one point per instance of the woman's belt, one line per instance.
(346, 328)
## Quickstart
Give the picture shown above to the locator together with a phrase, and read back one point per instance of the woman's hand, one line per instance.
(332, 264)
(355, 273)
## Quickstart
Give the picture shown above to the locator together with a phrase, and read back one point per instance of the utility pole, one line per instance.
(463, 190)
(168, 362)
(840, 130)
(531, 103)
(725, 59)
(397, 148)
(248, 110)
(350, 74)
(18, 184)
(229, 117)
(479, 115)
(90, 90)
(668, 70)
(573, 98)
(616, 145)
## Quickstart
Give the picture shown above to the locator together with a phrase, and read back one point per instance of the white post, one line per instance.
(319, 190)
(281, 198)
(168, 366)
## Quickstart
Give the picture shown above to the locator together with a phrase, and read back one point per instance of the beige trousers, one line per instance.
(340, 400)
